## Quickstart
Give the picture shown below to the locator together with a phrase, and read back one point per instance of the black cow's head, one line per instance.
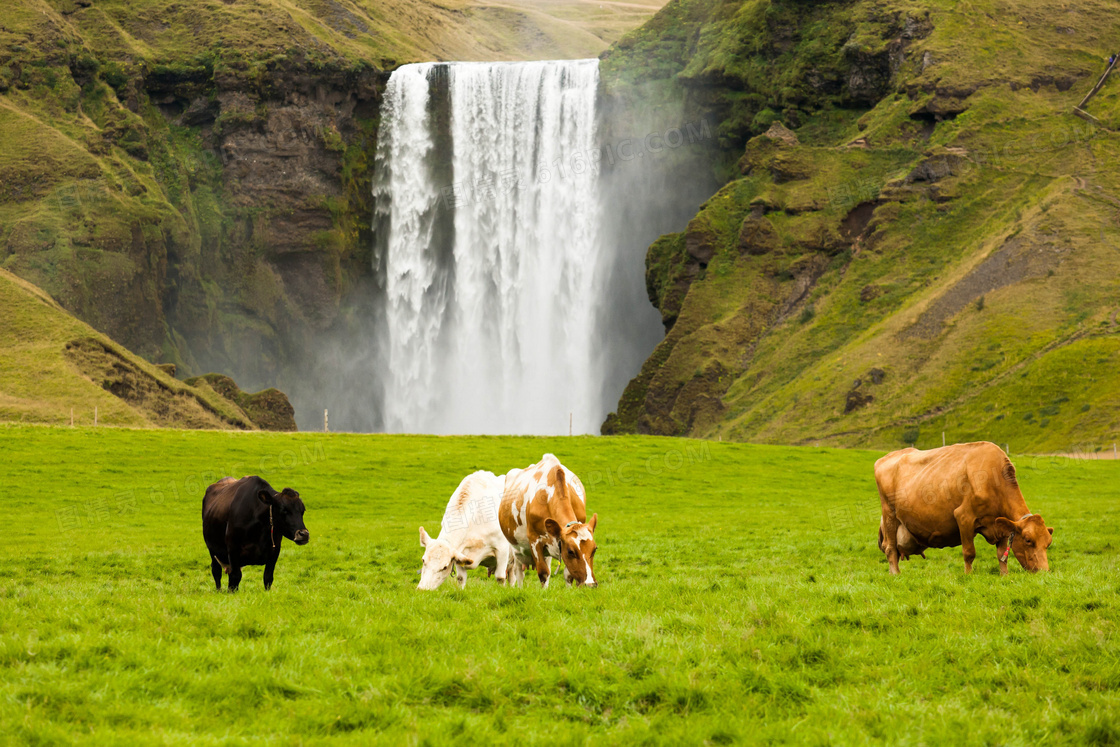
(287, 514)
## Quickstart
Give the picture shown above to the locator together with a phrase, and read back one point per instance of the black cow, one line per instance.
(244, 523)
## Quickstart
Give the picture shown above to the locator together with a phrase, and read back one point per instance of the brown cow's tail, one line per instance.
(880, 537)
(1009, 473)
(559, 484)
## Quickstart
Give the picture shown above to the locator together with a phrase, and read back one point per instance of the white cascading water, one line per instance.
(490, 275)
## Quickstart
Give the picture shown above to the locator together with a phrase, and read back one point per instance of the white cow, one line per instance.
(469, 534)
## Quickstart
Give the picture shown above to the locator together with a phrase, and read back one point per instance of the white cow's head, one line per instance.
(439, 559)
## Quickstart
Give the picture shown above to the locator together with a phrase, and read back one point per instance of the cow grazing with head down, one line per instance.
(543, 515)
(469, 534)
(244, 522)
(945, 497)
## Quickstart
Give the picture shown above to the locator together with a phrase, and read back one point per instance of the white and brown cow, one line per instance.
(469, 534)
(543, 514)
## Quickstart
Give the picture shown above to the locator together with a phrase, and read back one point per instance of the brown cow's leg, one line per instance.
(543, 565)
(967, 525)
(888, 530)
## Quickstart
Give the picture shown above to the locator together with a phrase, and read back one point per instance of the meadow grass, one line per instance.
(742, 598)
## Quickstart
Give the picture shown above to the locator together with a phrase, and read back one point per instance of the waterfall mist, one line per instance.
(513, 206)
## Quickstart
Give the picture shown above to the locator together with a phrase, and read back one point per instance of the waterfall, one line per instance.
(488, 249)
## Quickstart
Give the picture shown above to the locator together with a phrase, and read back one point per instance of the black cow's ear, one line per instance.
(265, 497)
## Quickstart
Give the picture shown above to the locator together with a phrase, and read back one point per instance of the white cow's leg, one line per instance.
(501, 563)
(516, 570)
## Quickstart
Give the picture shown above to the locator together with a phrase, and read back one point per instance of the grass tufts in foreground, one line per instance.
(742, 598)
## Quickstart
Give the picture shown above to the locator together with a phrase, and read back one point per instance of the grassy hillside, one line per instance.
(54, 368)
(736, 603)
(928, 244)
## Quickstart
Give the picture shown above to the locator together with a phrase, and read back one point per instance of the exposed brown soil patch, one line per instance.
(269, 410)
(1015, 261)
(123, 379)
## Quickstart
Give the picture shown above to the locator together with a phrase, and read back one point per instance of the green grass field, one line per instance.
(742, 599)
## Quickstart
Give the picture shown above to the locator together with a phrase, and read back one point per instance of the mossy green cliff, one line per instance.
(917, 235)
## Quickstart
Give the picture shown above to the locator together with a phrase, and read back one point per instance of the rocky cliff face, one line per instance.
(206, 206)
(291, 238)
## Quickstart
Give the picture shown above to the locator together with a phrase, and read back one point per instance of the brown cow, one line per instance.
(945, 497)
(543, 516)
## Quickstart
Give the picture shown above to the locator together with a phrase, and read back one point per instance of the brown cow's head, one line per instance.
(577, 549)
(287, 514)
(1029, 542)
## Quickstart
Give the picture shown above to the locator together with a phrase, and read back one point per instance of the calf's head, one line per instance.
(577, 549)
(439, 559)
(1029, 539)
(287, 514)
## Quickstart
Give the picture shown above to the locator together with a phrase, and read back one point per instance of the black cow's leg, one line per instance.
(268, 570)
(216, 571)
(234, 571)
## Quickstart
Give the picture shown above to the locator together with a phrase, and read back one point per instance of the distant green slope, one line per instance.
(937, 250)
(54, 368)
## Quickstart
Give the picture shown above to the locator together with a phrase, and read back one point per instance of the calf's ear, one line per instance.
(424, 538)
(1051, 530)
(591, 524)
(265, 497)
(552, 527)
